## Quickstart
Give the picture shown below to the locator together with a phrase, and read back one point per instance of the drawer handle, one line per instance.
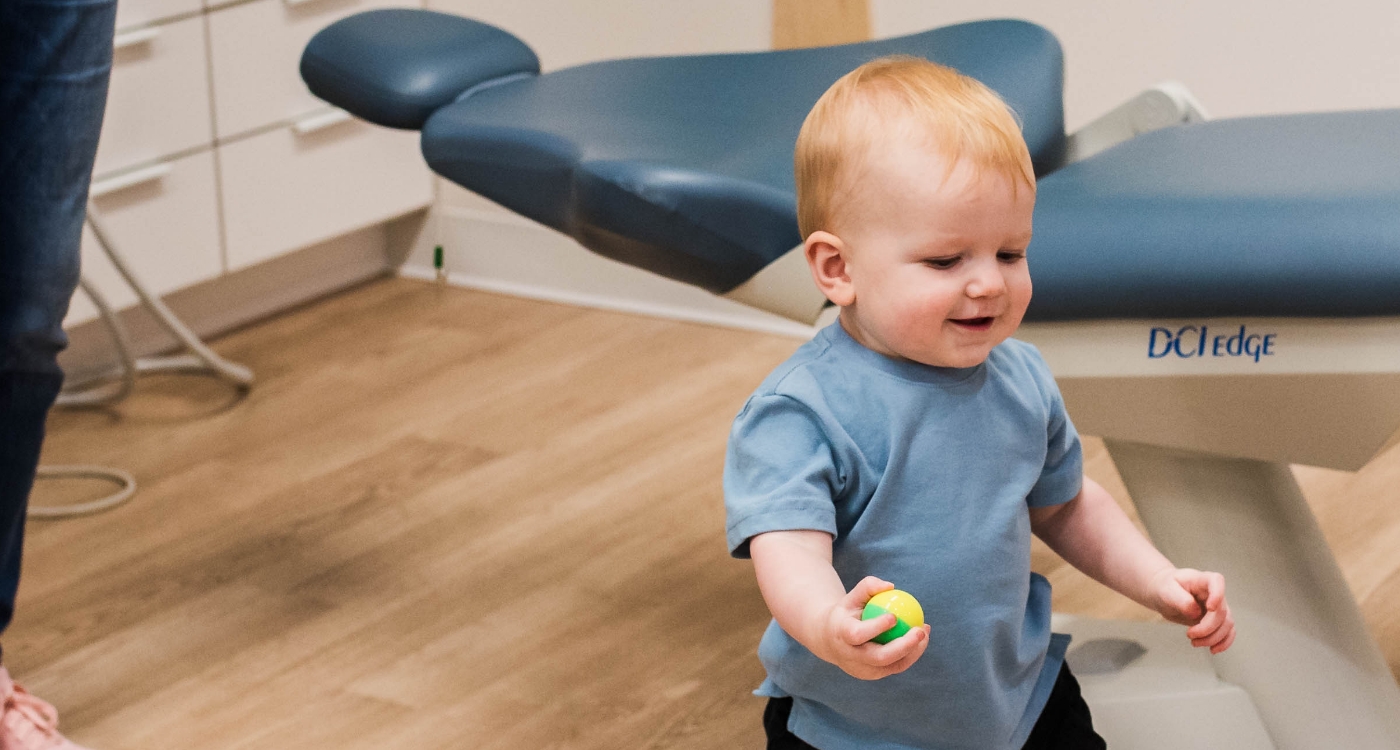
(128, 180)
(133, 38)
(321, 121)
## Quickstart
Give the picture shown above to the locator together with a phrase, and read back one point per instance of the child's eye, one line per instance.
(942, 263)
(1011, 256)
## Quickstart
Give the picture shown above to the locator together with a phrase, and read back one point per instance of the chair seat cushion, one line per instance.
(1295, 216)
(683, 165)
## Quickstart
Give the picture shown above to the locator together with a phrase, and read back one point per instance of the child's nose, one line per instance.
(986, 281)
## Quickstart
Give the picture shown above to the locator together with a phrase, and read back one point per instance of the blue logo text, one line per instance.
(1197, 341)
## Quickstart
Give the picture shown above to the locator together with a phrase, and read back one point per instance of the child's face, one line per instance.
(936, 268)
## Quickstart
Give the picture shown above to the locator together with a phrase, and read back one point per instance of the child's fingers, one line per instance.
(1215, 638)
(861, 592)
(857, 632)
(1223, 628)
(1214, 593)
(1184, 608)
(911, 657)
(1207, 588)
(1229, 639)
(1210, 623)
(883, 655)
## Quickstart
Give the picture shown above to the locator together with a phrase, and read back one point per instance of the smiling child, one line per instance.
(914, 441)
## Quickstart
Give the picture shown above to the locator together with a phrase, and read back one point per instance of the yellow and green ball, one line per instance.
(908, 614)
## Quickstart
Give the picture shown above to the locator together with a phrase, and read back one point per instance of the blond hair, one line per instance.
(960, 116)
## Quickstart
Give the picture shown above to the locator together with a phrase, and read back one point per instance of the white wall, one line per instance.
(569, 32)
(1239, 57)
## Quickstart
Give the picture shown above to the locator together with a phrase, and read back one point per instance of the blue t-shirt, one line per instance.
(923, 476)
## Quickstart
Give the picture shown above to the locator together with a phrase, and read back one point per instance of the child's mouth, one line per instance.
(972, 324)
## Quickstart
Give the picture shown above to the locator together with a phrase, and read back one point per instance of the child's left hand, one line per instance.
(1196, 598)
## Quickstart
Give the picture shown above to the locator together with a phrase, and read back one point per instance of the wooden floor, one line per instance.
(448, 519)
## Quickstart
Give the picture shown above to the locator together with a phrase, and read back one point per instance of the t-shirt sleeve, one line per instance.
(1063, 473)
(780, 472)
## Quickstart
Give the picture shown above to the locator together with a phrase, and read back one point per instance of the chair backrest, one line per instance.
(699, 148)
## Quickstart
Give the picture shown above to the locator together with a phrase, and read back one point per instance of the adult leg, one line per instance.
(55, 59)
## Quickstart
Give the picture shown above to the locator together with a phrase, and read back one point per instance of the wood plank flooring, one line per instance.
(449, 519)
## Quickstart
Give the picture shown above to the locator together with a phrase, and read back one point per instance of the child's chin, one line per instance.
(955, 359)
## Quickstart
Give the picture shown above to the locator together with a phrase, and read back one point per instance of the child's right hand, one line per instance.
(846, 637)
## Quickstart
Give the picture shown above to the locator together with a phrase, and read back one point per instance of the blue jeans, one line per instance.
(55, 59)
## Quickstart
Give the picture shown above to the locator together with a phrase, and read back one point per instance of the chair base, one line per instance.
(1302, 649)
(1158, 693)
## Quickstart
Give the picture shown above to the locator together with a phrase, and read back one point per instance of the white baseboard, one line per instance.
(485, 248)
(494, 250)
(242, 297)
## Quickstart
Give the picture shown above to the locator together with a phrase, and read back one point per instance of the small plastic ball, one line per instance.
(908, 614)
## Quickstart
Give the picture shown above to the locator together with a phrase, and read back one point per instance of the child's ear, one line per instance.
(826, 256)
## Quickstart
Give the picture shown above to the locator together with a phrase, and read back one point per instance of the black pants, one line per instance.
(1064, 724)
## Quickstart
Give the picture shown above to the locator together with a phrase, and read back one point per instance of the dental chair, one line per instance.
(1217, 299)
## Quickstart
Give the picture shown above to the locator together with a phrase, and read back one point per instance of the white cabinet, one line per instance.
(158, 96)
(133, 13)
(284, 190)
(201, 131)
(167, 225)
(256, 49)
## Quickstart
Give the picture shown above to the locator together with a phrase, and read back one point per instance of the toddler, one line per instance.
(913, 441)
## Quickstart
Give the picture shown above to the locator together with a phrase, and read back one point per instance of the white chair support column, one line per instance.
(1203, 438)
(1303, 651)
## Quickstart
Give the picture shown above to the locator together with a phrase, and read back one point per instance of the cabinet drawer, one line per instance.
(256, 52)
(167, 229)
(283, 190)
(141, 12)
(158, 99)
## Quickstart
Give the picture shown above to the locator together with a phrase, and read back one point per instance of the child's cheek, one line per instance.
(923, 319)
(934, 306)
